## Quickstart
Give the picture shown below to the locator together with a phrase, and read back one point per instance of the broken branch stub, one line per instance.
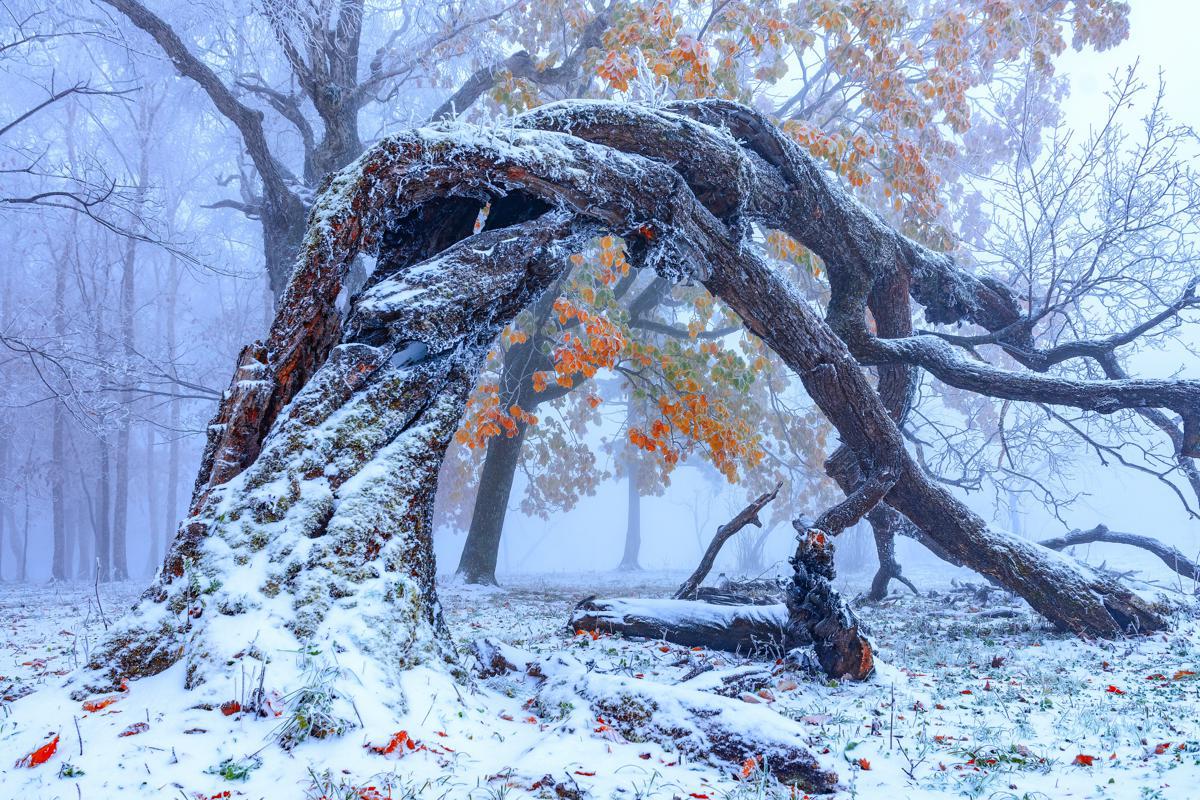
(747, 516)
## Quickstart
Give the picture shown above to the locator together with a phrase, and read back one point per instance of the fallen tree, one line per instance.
(749, 630)
(310, 526)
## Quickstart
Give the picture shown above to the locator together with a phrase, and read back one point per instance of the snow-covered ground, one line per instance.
(971, 699)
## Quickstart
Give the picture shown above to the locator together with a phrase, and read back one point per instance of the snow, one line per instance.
(988, 683)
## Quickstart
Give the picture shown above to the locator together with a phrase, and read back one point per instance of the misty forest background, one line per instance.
(134, 205)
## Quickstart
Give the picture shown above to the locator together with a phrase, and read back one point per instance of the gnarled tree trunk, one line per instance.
(310, 523)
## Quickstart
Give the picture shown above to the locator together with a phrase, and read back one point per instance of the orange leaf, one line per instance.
(41, 755)
(230, 708)
(103, 702)
(864, 764)
(399, 740)
(1083, 761)
(1114, 690)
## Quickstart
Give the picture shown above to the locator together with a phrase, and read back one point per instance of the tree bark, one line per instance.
(817, 614)
(102, 566)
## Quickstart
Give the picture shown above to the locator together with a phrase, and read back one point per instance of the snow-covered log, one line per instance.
(753, 630)
(699, 725)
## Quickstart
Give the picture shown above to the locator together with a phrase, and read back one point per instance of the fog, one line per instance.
(162, 242)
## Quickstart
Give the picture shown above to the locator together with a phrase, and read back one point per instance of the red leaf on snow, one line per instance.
(1114, 690)
(698, 795)
(400, 739)
(1162, 748)
(1083, 761)
(864, 764)
(41, 755)
(103, 702)
(230, 708)
(135, 729)
(584, 773)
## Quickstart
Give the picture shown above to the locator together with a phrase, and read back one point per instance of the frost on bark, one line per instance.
(310, 521)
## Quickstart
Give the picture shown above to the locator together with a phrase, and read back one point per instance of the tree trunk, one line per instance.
(24, 563)
(1070, 595)
(85, 566)
(153, 554)
(477, 564)
(338, 496)
(817, 614)
(120, 554)
(885, 520)
(58, 563)
(171, 504)
(633, 521)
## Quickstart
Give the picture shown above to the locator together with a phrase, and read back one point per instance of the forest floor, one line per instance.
(973, 698)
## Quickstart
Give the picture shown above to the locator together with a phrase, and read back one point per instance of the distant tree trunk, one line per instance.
(171, 504)
(24, 564)
(120, 528)
(5, 498)
(102, 567)
(477, 564)
(58, 566)
(153, 552)
(85, 566)
(633, 521)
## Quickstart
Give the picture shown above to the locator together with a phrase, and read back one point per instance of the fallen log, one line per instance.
(747, 516)
(743, 629)
(705, 727)
(1170, 556)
